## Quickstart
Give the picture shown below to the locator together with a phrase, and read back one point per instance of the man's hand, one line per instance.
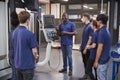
(84, 51)
(95, 64)
(63, 33)
(35, 53)
(88, 47)
(57, 28)
(68, 33)
(37, 56)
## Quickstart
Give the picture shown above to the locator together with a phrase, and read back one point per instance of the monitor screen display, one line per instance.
(49, 21)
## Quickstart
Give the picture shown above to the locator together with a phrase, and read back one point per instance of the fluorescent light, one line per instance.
(102, 12)
(23, 1)
(85, 6)
(90, 8)
(65, 0)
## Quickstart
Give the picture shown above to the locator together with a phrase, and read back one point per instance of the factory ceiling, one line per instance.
(77, 1)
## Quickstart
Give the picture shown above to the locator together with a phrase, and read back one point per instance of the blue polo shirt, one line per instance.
(68, 27)
(87, 31)
(24, 41)
(104, 38)
(94, 40)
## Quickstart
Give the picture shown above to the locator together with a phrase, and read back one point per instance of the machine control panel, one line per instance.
(49, 30)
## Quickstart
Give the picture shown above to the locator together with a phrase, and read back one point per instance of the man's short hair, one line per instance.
(86, 15)
(23, 16)
(65, 14)
(103, 18)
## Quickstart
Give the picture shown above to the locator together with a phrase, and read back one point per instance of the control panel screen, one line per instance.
(49, 21)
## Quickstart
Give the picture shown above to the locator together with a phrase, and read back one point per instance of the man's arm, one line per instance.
(93, 45)
(68, 33)
(98, 54)
(58, 30)
(89, 40)
(72, 32)
(35, 53)
(88, 43)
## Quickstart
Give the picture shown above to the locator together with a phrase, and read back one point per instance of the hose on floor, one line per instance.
(57, 66)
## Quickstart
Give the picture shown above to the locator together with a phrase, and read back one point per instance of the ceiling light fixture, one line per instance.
(85, 6)
(23, 1)
(65, 0)
(90, 8)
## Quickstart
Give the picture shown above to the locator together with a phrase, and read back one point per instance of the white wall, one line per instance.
(3, 35)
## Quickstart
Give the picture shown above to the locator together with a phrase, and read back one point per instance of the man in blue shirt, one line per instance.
(87, 31)
(25, 51)
(93, 48)
(103, 50)
(66, 31)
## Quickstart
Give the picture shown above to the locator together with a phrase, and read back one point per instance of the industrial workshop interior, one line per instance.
(58, 28)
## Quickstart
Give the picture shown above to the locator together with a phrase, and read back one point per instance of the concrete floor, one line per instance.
(51, 72)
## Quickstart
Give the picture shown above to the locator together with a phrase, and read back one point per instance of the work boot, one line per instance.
(63, 71)
(70, 73)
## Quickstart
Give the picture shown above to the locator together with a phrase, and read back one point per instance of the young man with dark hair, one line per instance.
(87, 31)
(25, 51)
(66, 31)
(103, 50)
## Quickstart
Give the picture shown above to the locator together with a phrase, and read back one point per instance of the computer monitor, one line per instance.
(49, 21)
